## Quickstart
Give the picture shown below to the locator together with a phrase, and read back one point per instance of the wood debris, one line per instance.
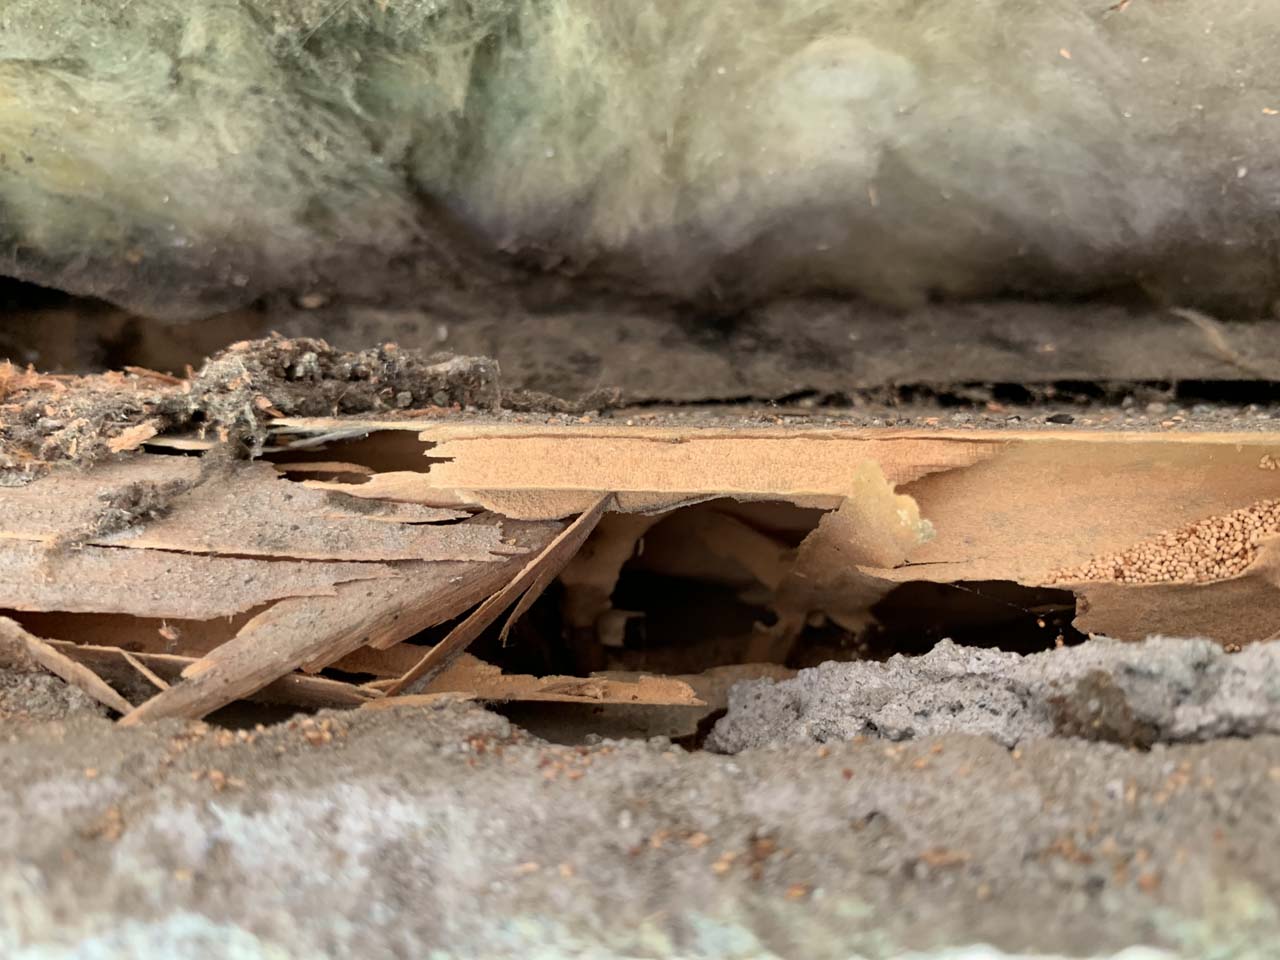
(361, 566)
(163, 670)
(532, 579)
(303, 631)
(484, 681)
(17, 646)
(1032, 507)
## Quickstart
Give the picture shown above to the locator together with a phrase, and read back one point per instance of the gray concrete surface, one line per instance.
(1164, 689)
(450, 833)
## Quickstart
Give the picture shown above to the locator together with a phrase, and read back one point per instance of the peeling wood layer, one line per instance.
(381, 539)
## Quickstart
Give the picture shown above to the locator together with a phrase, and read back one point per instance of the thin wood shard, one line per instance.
(532, 578)
(163, 670)
(137, 664)
(18, 645)
(486, 682)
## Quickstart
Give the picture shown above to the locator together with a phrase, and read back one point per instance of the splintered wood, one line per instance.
(1117, 518)
(168, 585)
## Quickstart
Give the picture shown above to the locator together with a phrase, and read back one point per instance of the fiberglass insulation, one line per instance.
(180, 156)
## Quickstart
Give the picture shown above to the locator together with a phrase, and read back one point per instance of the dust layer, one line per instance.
(1136, 694)
(233, 397)
(449, 832)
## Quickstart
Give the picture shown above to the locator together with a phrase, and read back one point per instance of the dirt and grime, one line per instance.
(232, 397)
(238, 393)
(27, 696)
(446, 831)
(1161, 690)
(650, 354)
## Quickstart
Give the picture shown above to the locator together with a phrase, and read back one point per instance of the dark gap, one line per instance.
(977, 395)
(677, 622)
(20, 295)
(167, 450)
(683, 625)
(538, 643)
(247, 714)
(348, 477)
(344, 676)
(384, 452)
(991, 613)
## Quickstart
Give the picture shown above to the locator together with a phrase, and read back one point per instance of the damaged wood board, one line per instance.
(243, 510)
(265, 582)
(161, 584)
(1034, 507)
(278, 572)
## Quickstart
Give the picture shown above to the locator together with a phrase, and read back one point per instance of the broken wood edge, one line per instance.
(296, 689)
(485, 682)
(535, 575)
(59, 664)
(295, 632)
(437, 431)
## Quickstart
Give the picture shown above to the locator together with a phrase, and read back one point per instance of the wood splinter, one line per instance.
(528, 585)
(42, 652)
(299, 631)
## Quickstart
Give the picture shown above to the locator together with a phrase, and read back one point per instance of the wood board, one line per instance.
(409, 523)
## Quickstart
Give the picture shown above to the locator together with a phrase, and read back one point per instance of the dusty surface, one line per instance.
(237, 394)
(27, 696)
(232, 397)
(448, 832)
(821, 350)
(1162, 690)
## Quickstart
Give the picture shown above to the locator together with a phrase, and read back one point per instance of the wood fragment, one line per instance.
(50, 658)
(143, 669)
(532, 579)
(132, 438)
(161, 584)
(483, 681)
(249, 510)
(295, 690)
(544, 475)
(297, 632)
